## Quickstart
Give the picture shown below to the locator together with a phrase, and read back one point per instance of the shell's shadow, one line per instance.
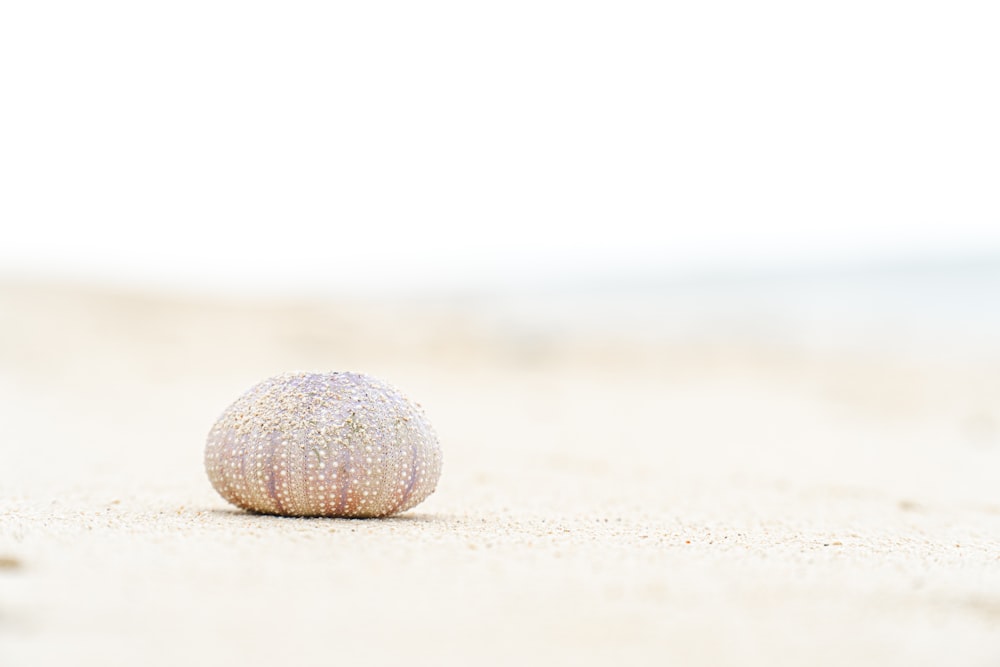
(408, 517)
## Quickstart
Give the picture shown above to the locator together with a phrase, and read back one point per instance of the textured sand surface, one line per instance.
(685, 500)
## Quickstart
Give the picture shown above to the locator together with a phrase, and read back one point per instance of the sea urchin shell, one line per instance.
(323, 444)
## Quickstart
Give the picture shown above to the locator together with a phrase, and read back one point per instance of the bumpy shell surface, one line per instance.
(323, 444)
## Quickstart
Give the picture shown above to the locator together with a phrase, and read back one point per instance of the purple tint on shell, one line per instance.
(323, 444)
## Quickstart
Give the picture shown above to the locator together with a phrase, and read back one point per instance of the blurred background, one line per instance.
(837, 165)
(713, 271)
(334, 150)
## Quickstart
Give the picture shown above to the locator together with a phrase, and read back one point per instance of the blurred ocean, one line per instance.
(932, 310)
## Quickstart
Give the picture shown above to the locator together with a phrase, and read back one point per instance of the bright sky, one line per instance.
(376, 145)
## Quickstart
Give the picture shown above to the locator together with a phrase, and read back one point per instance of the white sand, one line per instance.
(674, 501)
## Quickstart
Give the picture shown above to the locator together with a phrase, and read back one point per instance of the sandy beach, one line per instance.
(701, 300)
(688, 499)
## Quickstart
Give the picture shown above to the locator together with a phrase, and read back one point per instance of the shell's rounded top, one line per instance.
(296, 400)
(329, 444)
